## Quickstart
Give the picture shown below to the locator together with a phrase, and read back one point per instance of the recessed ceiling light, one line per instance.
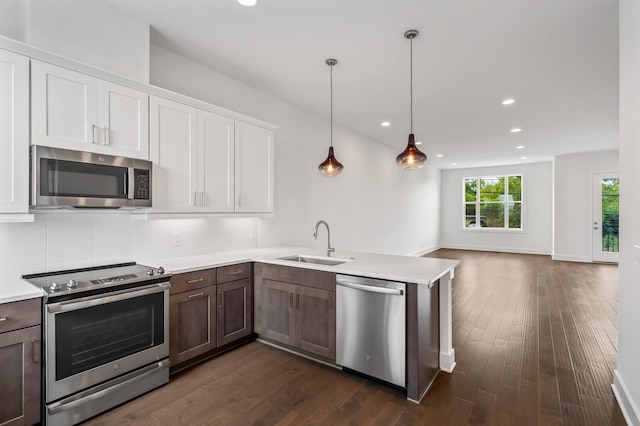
(516, 130)
(385, 124)
(454, 164)
(418, 143)
(508, 101)
(520, 147)
(439, 155)
(523, 158)
(248, 2)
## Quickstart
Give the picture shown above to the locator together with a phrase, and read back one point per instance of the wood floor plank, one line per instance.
(535, 340)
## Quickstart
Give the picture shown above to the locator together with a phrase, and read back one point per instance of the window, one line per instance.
(493, 202)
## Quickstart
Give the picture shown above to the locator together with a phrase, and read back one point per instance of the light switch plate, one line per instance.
(636, 254)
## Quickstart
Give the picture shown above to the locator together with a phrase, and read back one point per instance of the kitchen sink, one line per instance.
(329, 261)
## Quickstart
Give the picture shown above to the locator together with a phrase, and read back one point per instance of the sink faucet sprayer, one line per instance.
(315, 236)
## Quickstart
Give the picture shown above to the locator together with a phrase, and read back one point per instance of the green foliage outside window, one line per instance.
(493, 202)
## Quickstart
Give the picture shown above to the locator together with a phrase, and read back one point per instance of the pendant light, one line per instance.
(411, 158)
(331, 167)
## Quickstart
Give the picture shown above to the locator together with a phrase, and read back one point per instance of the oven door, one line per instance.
(96, 338)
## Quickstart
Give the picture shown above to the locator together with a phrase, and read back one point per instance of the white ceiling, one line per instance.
(557, 58)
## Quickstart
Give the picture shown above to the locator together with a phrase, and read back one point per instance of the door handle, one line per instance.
(105, 136)
(298, 301)
(291, 300)
(195, 281)
(195, 295)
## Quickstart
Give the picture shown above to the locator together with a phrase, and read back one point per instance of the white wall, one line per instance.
(536, 236)
(372, 206)
(87, 31)
(627, 375)
(572, 207)
(14, 19)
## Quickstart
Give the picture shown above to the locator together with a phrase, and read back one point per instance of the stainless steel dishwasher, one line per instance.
(370, 322)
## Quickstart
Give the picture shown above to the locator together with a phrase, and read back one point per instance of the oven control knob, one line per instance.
(54, 286)
(72, 284)
(160, 270)
(150, 272)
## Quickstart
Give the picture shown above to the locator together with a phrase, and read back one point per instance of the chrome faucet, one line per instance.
(315, 236)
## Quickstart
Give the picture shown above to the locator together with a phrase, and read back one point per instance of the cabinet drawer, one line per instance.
(234, 272)
(301, 276)
(15, 315)
(193, 280)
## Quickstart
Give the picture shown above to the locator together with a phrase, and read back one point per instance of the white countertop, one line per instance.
(14, 289)
(419, 270)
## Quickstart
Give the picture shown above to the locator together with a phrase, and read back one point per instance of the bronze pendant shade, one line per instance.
(411, 158)
(331, 166)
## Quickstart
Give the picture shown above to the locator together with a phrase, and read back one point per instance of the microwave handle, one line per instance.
(129, 184)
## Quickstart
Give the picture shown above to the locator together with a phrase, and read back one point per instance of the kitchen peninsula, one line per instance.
(420, 274)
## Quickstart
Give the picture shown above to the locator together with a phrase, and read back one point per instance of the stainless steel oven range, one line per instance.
(106, 338)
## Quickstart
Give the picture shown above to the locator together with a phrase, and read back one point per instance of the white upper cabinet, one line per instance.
(76, 111)
(14, 133)
(173, 151)
(123, 118)
(253, 169)
(215, 163)
(208, 163)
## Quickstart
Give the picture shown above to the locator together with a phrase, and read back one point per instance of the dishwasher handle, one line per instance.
(392, 291)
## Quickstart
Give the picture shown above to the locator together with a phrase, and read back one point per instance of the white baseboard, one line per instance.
(627, 404)
(496, 249)
(566, 258)
(424, 251)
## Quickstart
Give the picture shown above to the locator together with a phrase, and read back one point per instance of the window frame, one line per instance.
(478, 203)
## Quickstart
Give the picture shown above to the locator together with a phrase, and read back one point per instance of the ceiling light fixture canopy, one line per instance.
(331, 166)
(411, 158)
(248, 3)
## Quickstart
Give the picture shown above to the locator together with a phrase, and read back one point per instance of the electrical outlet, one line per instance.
(176, 239)
(252, 234)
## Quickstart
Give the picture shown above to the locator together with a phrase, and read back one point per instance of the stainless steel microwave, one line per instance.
(62, 178)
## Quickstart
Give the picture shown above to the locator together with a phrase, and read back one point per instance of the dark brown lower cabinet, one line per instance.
(235, 310)
(20, 376)
(299, 316)
(192, 323)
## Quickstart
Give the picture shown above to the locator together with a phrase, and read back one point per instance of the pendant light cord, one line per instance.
(331, 102)
(411, 79)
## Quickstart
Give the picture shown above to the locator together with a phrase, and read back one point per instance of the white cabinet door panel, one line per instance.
(64, 108)
(253, 172)
(123, 117)
(173, 151)
(14, 133)
(215, 162)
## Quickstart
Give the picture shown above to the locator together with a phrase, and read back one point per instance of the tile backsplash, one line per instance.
(70, 239)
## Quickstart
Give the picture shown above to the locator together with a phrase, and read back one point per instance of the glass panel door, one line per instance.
(606, 214)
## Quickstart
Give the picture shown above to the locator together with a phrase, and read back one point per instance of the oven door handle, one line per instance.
(99, 299)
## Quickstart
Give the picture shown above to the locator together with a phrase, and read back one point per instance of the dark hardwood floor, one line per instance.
(535, 344)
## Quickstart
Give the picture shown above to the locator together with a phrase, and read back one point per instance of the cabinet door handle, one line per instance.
(235, 272)
(93, 133)
(298, 301)
(105, 136)
(291, 300)
(4, 319)
(195, 198)
(202, 199)
(221, 299)
(195, 281)
(195, 295)
(33, 351)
